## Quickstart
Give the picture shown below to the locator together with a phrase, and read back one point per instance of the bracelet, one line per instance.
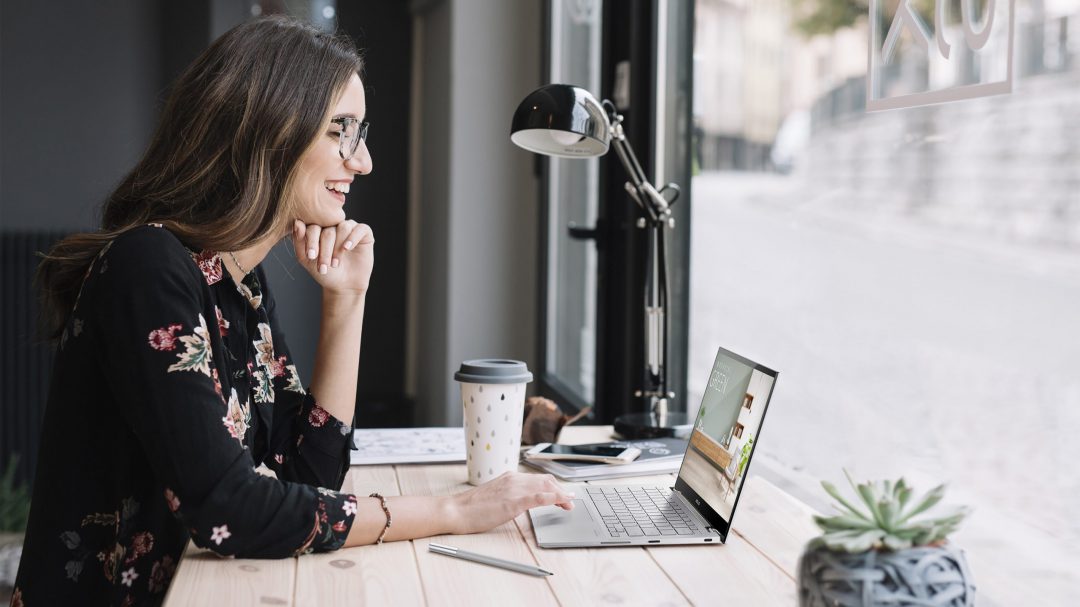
(386, 511)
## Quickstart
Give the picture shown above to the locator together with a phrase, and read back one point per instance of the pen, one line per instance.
(487, 560)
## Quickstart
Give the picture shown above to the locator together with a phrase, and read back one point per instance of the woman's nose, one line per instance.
(361, 160)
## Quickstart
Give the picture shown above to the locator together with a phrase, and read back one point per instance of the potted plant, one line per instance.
(14, 508)
(884, 549)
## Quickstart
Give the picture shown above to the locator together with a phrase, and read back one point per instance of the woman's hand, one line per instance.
(502, 499)
(339, 258)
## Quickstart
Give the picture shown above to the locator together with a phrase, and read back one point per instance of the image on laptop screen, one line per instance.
(725, 430)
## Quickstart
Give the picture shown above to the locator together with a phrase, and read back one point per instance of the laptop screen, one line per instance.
(724, 436)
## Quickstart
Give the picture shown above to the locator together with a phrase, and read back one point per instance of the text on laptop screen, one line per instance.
(724, 432)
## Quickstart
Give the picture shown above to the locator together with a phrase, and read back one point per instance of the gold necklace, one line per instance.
(238, 266)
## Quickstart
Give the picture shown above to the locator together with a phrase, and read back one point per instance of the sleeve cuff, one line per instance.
(324, 441)
(322, 431)
(333, 518)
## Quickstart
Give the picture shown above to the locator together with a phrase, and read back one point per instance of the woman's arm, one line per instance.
(337, 359)
(478, 509)
(340, 259)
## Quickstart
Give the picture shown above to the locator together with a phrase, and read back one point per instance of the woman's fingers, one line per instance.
(361, 234)
(314, 232)
(299, 244)
(344, 229)
(326, 249)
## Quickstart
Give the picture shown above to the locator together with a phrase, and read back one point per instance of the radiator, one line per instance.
(26, 359)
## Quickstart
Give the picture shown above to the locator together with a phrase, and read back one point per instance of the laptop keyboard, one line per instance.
(642, 512)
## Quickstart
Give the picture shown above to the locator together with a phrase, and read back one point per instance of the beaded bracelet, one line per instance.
(389, 519)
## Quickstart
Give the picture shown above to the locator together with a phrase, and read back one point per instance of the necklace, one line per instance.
(238, 266)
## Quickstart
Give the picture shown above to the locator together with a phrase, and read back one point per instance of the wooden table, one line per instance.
(755, 567)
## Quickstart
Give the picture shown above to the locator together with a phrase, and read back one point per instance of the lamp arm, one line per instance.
(647, 196)
(656, 283)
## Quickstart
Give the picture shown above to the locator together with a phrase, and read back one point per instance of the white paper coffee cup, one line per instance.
(493, 401)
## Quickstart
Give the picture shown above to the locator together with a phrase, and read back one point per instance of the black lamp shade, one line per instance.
(561, 120)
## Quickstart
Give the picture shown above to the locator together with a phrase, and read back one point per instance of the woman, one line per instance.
(172, 381)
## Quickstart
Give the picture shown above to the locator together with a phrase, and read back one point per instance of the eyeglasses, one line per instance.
(351, 134)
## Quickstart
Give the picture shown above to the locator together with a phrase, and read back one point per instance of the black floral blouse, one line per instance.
(171, 385)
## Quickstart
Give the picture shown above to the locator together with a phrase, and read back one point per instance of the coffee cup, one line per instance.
(493, 400)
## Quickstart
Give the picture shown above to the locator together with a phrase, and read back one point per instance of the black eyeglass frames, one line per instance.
(351, 134)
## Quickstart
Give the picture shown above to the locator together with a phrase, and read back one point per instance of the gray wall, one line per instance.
(478, 215)
(78, 85)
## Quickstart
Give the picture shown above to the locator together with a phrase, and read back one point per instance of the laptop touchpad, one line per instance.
(554, 522)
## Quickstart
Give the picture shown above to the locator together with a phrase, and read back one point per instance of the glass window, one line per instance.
(573, 197)
(913, 273)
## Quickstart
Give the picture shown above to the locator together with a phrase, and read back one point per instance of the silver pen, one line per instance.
(487, 560)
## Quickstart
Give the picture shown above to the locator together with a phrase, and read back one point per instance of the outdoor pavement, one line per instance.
(903, 349)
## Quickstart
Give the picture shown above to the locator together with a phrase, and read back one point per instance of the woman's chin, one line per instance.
(325, 220)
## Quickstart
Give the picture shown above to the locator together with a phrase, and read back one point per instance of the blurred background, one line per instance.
(913, 274)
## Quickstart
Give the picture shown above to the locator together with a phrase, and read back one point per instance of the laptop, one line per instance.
(699, 508)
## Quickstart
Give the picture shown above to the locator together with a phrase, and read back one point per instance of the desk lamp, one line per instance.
(567, 121)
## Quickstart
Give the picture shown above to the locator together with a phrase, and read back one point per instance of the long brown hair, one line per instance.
(221, 163)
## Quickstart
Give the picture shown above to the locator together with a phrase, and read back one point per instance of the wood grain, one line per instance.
(365, 575)
(734, 573)
(598, 576)
(204, 578)
(451, 581)
(775, 523)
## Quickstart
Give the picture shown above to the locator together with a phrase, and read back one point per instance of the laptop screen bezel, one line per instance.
(703, 507)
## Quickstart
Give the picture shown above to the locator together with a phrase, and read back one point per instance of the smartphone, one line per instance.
(587, 453)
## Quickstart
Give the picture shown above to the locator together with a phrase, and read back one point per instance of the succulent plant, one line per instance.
(885, 518)
(14, 500)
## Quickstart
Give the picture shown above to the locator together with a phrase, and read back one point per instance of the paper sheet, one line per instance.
(408, 445)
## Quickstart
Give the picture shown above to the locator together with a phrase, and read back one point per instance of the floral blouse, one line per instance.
(171, 385)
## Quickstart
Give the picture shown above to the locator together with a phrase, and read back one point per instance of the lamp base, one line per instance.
(633, 426)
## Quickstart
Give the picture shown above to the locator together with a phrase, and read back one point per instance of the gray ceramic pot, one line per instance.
(10, 552)
(927, 575)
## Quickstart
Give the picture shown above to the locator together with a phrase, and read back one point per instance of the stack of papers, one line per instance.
(658, 456)
(408, 446)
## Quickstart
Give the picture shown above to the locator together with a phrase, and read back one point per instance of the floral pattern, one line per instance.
(141, 544)
(253, 299)
(326, 532)
(220, 534)
(164, 339)
(172, 500)
(237, 418)
(223, 325)
(210, 265)
(293, 383)
(318, 416)
(197, 355)
(271, 366)
(101, 545)
(161, 574)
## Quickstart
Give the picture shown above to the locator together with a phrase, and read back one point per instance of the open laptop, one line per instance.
(699, 508)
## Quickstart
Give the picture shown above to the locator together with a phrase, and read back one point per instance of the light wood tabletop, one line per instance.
(755, 567)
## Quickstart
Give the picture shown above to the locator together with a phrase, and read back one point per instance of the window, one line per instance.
(572, 198)
(913, 274)
(748, 400)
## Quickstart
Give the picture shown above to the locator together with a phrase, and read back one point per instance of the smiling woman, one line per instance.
(172, 382)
